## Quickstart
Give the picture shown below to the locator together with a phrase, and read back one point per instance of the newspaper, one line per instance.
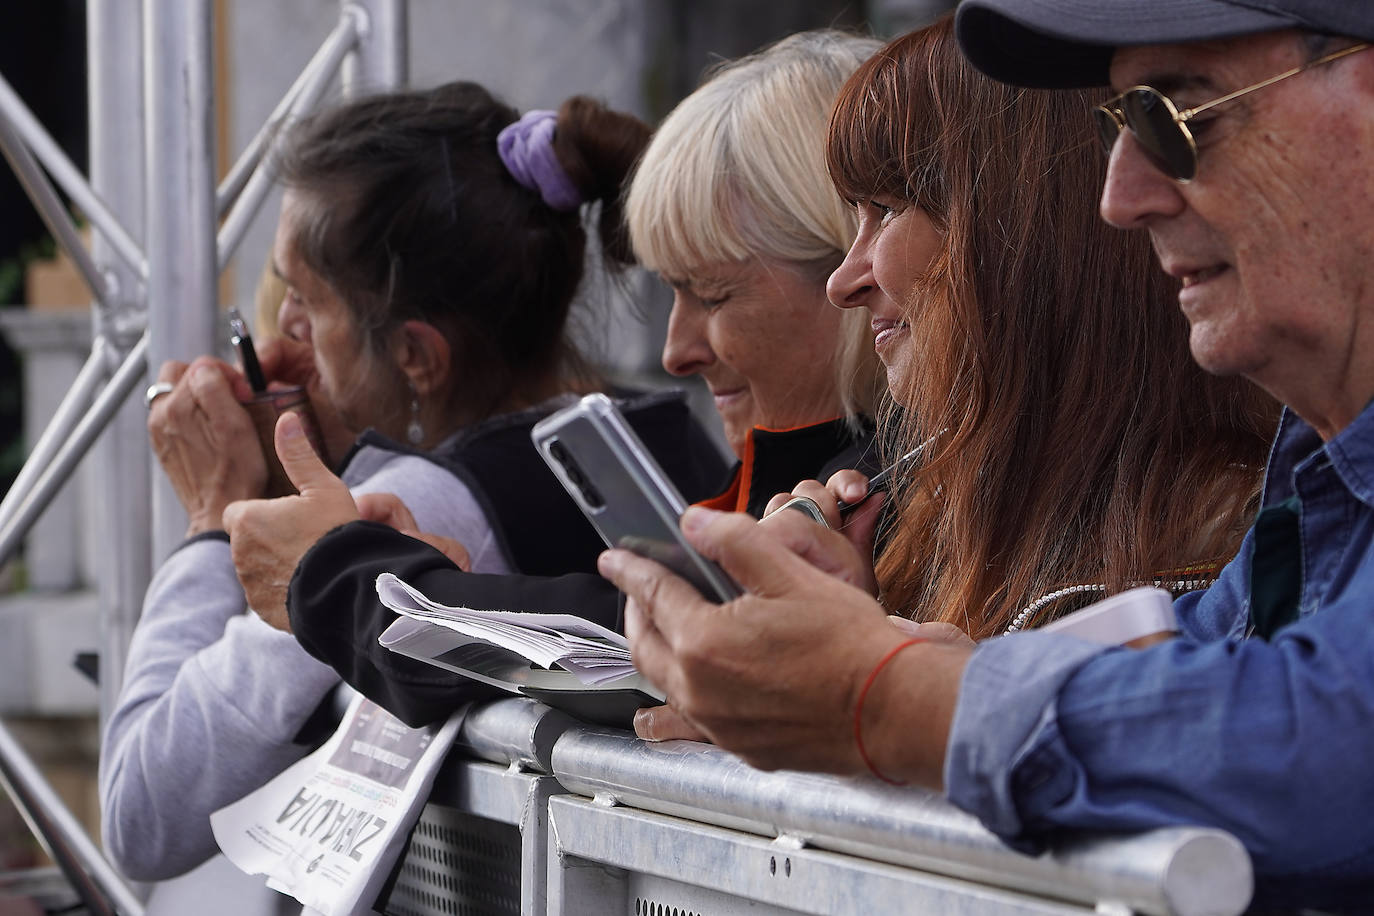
(329, 828)
(593, 654)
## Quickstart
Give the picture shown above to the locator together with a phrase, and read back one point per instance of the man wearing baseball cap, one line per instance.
(1241, 137)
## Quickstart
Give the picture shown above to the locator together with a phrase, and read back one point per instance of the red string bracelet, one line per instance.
(859, 709)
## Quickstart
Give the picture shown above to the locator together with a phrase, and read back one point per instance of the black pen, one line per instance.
(247, 355)
(883, 478)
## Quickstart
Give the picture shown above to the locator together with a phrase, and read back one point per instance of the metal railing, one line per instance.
(583, 819)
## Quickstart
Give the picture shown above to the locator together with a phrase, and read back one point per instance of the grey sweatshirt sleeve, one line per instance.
(213, 697)
(211, 702)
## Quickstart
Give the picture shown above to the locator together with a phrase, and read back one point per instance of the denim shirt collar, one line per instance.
(1297, 446)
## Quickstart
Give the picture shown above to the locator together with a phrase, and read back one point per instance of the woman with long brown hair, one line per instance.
(1077, 447)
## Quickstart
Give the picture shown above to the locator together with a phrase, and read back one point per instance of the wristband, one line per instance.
(859, 708)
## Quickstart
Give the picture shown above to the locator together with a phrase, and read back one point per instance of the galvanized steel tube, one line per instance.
(1182, 871)
(121, 459)
(321, 71)
(517, 731)
(63, 421)
(91, 876)
(64, 462)
(50, 207)
(69, 178)
(180, 209)
(380, 60)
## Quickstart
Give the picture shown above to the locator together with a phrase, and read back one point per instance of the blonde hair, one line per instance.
(737, 172)
(267, 297)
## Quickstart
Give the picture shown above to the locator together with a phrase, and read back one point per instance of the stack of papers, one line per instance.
(498, 644)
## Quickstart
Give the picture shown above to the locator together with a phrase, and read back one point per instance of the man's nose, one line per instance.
(1136, 192)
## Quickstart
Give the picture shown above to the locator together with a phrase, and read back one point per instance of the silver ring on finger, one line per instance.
(155, 391)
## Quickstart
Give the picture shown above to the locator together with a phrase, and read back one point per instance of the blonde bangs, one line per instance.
(680, 202)
(737, 170)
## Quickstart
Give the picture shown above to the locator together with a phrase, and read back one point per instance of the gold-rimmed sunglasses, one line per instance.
(1162, 130)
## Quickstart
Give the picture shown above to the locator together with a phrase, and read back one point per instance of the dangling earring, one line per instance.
(415, 432)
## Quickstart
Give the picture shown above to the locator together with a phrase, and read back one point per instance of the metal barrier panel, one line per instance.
(610, 859)
(481, 843)
(1177, 870)
(682, 828)
(458, 864)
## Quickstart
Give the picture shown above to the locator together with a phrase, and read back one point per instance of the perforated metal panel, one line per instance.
(458, 865)
(646, 907)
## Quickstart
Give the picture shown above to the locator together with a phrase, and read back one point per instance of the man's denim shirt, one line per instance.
(1271, 741)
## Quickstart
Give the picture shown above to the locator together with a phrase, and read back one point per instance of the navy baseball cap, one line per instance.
(1060, 44)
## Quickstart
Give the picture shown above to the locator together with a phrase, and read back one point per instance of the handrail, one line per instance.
(62, 836)
(1175, 870)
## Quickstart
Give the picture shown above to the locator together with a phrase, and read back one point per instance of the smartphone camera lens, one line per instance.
(589, 493)
(592, 497)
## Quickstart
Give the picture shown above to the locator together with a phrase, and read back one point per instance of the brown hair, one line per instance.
(414, 216)
(1080, 442)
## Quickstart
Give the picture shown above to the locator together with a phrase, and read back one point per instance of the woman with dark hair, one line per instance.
(1074, 450)
(431, 245)
(1080, 449)
(730, 204)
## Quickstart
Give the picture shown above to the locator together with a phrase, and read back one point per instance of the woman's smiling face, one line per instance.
(894, 248)
(764, 337)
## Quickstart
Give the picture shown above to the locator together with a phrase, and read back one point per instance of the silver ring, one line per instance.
(155, 391)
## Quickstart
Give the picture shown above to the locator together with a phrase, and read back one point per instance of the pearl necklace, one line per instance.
(1028, 613)
(1187, 579)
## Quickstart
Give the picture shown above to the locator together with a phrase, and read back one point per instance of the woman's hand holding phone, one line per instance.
(855, 529)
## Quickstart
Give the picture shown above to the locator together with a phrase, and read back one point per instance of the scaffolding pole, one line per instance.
(180, 208)
(122, 457)
(149, 81)
(380, 61)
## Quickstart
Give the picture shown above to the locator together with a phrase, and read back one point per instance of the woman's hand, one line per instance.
(268, 537)
(205, 441)
(664, 723)
(388, 509)
(854, 565)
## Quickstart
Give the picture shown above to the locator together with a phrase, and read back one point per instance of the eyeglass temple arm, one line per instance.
(1189, 113)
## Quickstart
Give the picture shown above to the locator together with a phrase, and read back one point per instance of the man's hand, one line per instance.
(773, 675)
(268, 537)
(664, 723)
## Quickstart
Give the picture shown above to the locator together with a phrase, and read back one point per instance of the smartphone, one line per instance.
(622, 490)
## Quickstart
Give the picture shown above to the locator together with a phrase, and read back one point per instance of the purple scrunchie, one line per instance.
(526, 147)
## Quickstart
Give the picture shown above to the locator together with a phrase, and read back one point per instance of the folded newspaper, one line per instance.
(561, 659)
(328, 829)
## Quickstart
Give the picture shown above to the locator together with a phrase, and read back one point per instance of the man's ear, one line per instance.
(423, 355)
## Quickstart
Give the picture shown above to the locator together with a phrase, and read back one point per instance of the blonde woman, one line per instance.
(732, 206)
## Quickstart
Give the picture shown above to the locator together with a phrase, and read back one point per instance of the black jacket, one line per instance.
(332, 602)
